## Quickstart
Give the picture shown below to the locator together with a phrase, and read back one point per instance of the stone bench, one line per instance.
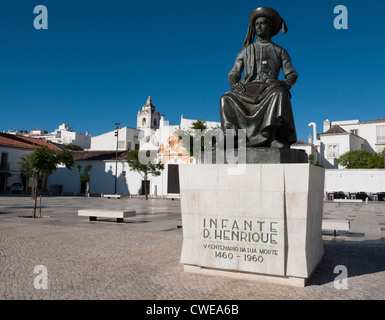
(173, 196)
(108, 196)
(104, 213)
(334, 225)
(348, 200)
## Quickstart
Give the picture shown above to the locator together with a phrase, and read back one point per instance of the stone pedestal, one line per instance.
(254, 221)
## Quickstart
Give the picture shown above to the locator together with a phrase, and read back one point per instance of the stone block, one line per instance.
(264, 220)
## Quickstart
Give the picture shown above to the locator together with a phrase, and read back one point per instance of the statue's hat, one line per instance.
(277, 22)
(272, 15)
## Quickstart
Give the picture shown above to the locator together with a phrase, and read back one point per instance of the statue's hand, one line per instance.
(284, 84)
(239, 87)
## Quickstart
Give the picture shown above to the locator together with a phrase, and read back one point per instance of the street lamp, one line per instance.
(117, 124)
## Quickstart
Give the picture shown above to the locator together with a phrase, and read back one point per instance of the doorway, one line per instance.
(173, 179)
(143, 192)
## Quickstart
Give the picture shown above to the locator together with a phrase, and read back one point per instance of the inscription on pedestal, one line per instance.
(245, 244)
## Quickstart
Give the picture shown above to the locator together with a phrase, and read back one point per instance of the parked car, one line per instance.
(339, 195)
(362, 195)
(380, 196)
(17, 187)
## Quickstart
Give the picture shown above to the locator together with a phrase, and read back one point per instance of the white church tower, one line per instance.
(148, 118)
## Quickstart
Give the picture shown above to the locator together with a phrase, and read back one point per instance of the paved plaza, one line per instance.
(139, 259)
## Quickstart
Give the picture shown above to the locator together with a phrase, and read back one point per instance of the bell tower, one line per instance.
(148, 118)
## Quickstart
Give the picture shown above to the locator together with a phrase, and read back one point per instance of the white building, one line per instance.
(339, 137)
(373, 131)
(15, 132)
(127, 139)
(38, 132)
(12, 147)
(337, 141)
(64, 135)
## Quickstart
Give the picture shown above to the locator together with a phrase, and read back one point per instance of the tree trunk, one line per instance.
(40, 207)
(35, 204)
(87, 188)
(145, 186)
(35, 195)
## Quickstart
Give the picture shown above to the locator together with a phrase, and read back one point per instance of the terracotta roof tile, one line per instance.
(373, 121)
(301, 143)
(12, 140)
(335, 130)
(98, 155)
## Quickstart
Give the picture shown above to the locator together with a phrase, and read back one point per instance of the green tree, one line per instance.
(73, 147)
(199, 124)
(311, 158)
(41, 163)
(85, 176)
(376, 161)
(144, 169)
(361, 159)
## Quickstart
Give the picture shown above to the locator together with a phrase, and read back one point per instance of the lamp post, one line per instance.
(117, 124)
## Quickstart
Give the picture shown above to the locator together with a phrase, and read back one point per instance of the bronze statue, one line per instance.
(259, 102)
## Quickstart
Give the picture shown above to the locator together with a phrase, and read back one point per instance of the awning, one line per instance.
(5, 174)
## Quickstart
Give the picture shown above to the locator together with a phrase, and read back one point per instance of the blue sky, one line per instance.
(99, 60)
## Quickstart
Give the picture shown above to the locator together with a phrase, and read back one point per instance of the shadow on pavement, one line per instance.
(360, 258)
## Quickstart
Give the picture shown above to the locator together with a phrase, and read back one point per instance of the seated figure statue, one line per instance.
(259, 102)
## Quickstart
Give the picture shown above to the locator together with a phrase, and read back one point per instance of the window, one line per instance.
(4, 161)
(381, 134)
(355, 132)
(332, 151)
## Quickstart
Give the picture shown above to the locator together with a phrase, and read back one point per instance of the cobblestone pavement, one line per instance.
(139, 259)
